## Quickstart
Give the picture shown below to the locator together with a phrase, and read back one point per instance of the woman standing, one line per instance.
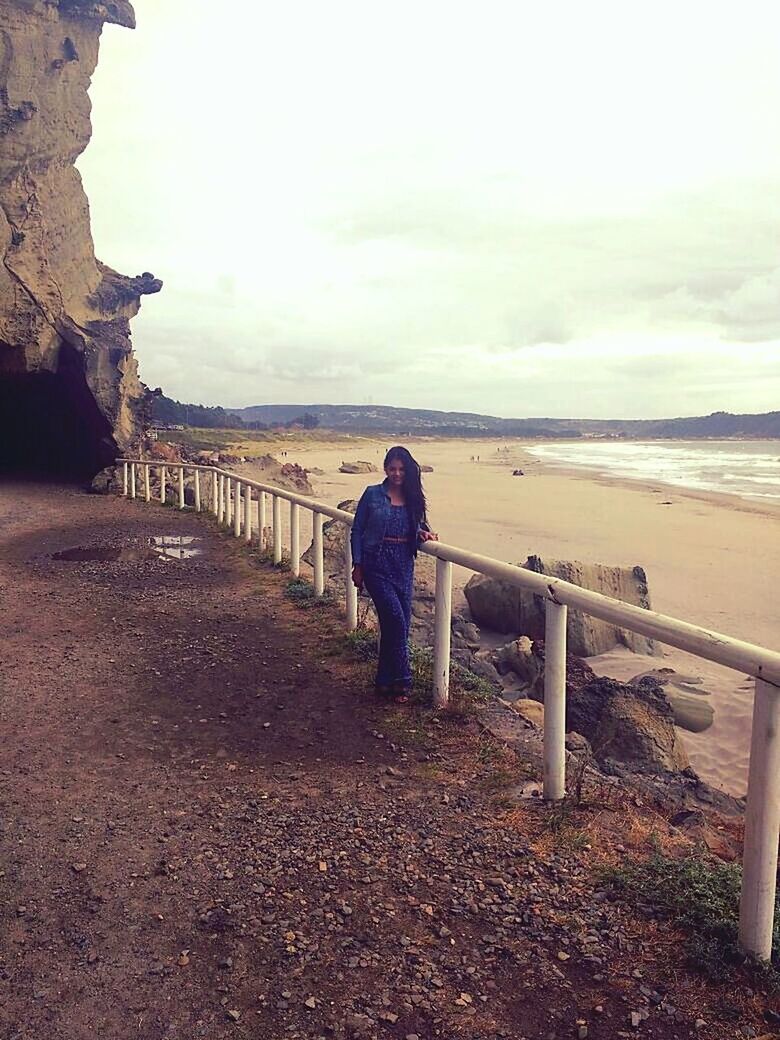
(390, 522)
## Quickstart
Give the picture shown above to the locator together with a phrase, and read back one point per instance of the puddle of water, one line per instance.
(176, 546)
(103, 554)
(166, 547)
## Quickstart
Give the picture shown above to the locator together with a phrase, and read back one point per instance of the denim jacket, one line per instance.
(371, 516)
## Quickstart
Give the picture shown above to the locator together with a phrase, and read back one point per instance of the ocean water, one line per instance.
(749, 469)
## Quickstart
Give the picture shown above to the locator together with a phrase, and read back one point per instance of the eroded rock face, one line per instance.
(70, 396)
(506, 608)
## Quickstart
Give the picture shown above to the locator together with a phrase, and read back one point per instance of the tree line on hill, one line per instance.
(167, 412)
(406, 422)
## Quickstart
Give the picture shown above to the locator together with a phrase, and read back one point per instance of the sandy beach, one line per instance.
(710, 559)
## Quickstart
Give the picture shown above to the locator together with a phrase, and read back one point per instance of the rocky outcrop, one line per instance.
(628, 729)
(358, 467)
(629, 725)
(269, 470)
(334, 539)
(506, 608)
(69, 386)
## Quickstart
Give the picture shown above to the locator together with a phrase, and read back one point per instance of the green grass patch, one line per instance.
(362, 644)
(465, 687)
(702, 897)
(301, 592)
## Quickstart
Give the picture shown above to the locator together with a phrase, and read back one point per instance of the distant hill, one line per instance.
(421, 421)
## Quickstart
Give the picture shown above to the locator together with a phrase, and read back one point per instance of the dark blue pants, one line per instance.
(389, 580)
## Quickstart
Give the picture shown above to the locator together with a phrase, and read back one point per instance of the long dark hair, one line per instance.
(413, 489)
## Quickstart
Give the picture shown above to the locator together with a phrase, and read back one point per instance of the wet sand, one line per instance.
(710, 559)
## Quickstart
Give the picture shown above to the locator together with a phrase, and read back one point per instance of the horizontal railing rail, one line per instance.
(235, 499)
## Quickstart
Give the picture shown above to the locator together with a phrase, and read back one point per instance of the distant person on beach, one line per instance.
(390, 523)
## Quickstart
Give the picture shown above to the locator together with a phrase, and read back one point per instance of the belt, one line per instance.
(396, 541)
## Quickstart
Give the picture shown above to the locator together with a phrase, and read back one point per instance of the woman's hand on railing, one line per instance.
(357, 576)
(428, 536)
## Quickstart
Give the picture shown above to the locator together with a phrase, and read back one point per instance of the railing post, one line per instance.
(147, 483)
(441, 642)
(237, 511)
(762, 825)
(295, 539)
(554, 700)
(317, 550)
(352, 592)
(228, 501)
(181, 487)
(221, 499)
(277, 522)
(214, 493)
(132, 480)
(247, 514)
(124, 479)
(261, 519)
(197, 490)
(163, 483)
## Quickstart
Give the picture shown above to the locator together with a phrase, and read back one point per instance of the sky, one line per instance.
(515, 208)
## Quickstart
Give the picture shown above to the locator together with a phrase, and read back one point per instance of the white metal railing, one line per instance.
(228, 491)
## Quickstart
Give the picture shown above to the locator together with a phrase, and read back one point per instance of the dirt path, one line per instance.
(210, 830)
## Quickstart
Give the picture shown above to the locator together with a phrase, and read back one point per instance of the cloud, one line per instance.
(475, 233)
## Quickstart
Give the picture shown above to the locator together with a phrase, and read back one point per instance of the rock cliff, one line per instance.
(506, 608)
(70, 395)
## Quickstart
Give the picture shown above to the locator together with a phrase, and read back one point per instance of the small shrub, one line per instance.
(362, 644)
(301, 592)
(421, 663)
(469, 685)
(700, 895)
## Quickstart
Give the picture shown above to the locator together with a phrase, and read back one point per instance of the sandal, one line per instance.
(400, 693)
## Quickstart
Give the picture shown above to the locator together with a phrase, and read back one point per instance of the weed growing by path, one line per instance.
(466, 688)
(266, 556)
(301, 592)
(700, 895)
(362, 644)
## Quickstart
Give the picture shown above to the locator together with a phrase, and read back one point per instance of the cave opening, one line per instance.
(50, 424)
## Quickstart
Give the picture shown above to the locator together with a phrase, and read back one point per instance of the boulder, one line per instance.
(426, 469)
(626, 724)
(507, 608)
(358, 467)
(690, 706)
(103, 482)
(424, 600)
(519, 658)
(529, 709)
(630, 728)
(465, 634)
(480, 664)
(334, 537)
(163, 451)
